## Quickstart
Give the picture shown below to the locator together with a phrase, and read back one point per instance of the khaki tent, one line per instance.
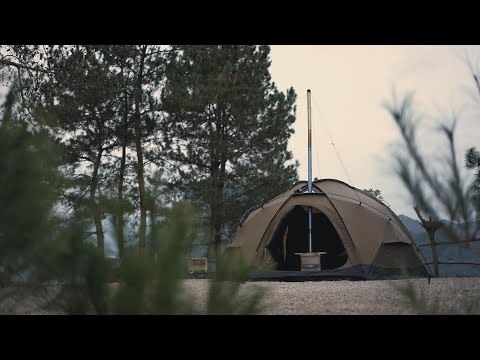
(361, 237)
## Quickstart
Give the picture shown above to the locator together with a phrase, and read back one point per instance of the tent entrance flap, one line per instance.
(291, 237)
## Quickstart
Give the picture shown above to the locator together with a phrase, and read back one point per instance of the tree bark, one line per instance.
(216, 210)
(211, 245)
(220, 218)
(96, 213)
(120, 221)
(215, 232)
(153, 228)
(121, 176)
(218, 156)
(138, 145)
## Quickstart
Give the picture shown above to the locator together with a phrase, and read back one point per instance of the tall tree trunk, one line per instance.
(218, 220)
(212, 234)
(218, 156)
(214, 216)
(96, 213)
(211, 245)
(138, 145)
(215, 231)
(220, 204)
(119, 221)
(216, 211)
(153, 227)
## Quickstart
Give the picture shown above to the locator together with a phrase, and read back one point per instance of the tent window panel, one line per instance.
(291, 237)
(397, 260)
(397, 255)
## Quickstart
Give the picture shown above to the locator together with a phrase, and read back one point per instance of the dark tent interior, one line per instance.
(291, 237)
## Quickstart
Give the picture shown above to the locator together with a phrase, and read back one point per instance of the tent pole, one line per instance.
(309, 168)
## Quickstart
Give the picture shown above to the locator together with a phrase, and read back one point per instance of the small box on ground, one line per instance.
(198, 265)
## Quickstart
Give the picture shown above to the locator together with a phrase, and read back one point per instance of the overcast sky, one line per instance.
(349, 85)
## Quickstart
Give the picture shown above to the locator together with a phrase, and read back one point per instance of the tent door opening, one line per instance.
(291, 237)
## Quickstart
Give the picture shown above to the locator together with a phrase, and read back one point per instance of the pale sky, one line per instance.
(349, 85)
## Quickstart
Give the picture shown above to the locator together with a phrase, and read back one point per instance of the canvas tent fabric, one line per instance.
(362, 237)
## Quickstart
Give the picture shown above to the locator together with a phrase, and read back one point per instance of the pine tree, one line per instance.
(83, 114)
(228, 127)
(140, 70)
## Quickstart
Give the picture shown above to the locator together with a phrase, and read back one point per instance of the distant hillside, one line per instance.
(446, 252)
(412, 225)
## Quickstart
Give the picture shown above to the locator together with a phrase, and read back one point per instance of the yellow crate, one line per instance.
(198, 264)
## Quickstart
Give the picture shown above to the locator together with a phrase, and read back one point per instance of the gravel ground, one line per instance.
(27, 301)
(381, 297)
